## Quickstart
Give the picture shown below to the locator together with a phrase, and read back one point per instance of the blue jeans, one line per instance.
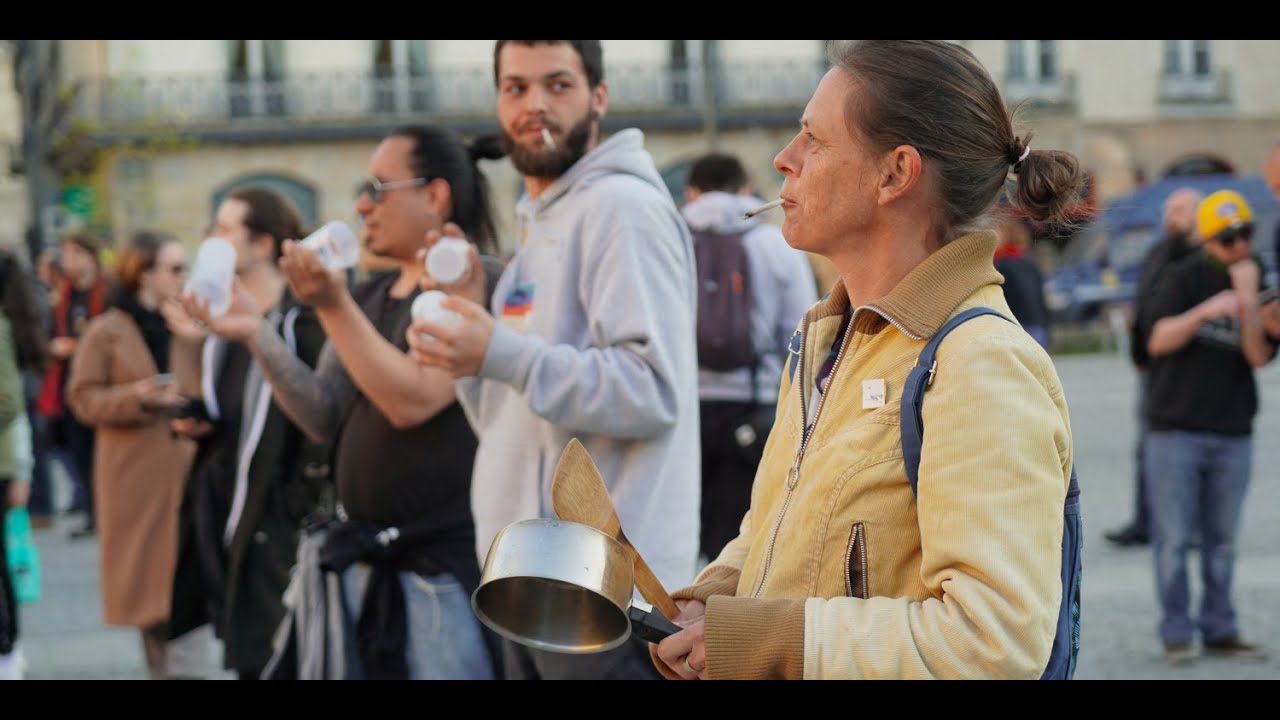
(444, 640)
(1196, 481)
(1141, 503)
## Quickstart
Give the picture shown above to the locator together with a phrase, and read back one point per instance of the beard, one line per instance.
(547, 163)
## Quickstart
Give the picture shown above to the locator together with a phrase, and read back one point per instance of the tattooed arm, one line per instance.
(315, 400)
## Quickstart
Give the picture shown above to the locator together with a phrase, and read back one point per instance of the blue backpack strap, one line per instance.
(1066, 641)
(918, 381)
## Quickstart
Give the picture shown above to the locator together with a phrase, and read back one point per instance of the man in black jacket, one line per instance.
(256, 478)
(1178, 241)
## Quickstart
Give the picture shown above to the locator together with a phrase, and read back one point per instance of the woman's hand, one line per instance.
(192, 428)
(155, 395)
(19, 493)
(62, 348)
(685, 652)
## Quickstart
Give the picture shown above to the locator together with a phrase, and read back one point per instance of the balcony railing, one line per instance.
(446, 93)
(1054, 92)
(1211, 89)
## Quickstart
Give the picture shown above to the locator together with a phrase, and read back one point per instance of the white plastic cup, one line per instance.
(213, 274)
(334, 245)
(449, 260)
(427, 307)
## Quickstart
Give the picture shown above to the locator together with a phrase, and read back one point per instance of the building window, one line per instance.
(1048, 60)
(1033, 74)
(1033, 60)
(302, 196)
(256, 77)
(1187, 58)
(136, 191)
(683, 66)
(1189, 75)
(401, 76)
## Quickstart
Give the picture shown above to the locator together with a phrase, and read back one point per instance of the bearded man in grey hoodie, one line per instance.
(589, 334)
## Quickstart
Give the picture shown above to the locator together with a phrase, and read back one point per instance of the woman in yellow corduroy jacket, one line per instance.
(839, 569)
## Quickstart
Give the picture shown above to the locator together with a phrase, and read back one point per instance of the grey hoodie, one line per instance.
(595, 340)
(782, 290)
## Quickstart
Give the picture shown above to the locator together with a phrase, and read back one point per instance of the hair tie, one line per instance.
(1024, 155)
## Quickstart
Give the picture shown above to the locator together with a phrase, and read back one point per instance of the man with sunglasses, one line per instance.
(1206, 339)
(403, 447)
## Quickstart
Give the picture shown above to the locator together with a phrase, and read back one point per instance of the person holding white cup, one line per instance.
(428, 306)
(249, 449)
(404, 446)
(335, 246)
(213, 276)
(449, 260)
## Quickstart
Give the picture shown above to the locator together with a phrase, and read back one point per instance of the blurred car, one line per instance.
(1099, 267)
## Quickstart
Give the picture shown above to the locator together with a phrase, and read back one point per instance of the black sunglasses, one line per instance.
(374, 188)
(1228, 238)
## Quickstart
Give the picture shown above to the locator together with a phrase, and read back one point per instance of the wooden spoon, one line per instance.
(579, 495)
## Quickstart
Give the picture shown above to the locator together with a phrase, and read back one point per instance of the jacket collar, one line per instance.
(933, 291)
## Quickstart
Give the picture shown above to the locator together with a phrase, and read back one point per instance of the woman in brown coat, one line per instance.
(119, 385)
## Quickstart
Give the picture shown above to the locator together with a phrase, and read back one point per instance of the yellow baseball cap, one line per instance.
(1222, 211)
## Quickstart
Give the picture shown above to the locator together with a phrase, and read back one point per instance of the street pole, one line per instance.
(37, 96)
(711, 93)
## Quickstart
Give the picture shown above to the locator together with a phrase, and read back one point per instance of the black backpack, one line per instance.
(724, 302)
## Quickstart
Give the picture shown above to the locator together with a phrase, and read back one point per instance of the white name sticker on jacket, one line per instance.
(873, 394)
(517, 309)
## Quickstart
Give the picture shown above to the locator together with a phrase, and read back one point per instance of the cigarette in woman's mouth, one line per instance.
(547, 140)
(765, 208)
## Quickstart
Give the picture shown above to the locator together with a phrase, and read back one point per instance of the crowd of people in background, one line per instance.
(318, 431)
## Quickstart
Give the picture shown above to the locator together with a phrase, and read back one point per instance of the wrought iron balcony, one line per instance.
(1186, 89)
(356, 97)
(1059, 91)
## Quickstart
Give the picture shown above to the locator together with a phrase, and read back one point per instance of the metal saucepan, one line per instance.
(565, 587)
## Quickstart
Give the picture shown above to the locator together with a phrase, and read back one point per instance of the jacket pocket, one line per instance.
(855, 561)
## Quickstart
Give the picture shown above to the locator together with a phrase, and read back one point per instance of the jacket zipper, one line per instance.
(861, 560)
(793, 476)
(892, 322)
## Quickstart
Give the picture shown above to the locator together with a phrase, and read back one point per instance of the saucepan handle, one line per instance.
(649, 624)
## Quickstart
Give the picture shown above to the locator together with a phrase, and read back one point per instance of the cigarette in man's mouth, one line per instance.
(549, 141)
(765, 208)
